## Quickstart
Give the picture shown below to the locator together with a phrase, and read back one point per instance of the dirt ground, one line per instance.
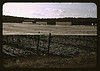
(31, 29)
(50, 62)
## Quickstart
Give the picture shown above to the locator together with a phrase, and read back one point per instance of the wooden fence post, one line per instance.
(49, 43)
(38, 40)
(7, 39)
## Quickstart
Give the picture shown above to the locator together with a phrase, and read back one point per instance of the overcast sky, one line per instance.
(50, 10)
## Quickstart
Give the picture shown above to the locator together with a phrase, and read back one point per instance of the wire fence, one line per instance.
(67, 45)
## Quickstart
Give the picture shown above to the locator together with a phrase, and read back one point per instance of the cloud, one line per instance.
(55, 12)
(38, 14)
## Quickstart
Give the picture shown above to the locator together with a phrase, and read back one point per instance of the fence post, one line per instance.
(38, 40)
(49, 43)
(7, 39)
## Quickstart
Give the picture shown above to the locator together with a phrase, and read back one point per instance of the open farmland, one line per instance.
(71, 46)
(24, 29)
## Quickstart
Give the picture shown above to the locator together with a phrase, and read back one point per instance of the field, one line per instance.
(71, 46)
(65, 51)
(50, 62)
(30, 29)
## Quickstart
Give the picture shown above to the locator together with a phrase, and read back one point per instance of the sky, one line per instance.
(50, 10)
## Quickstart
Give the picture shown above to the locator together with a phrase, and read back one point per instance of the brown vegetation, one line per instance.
(50, 62)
